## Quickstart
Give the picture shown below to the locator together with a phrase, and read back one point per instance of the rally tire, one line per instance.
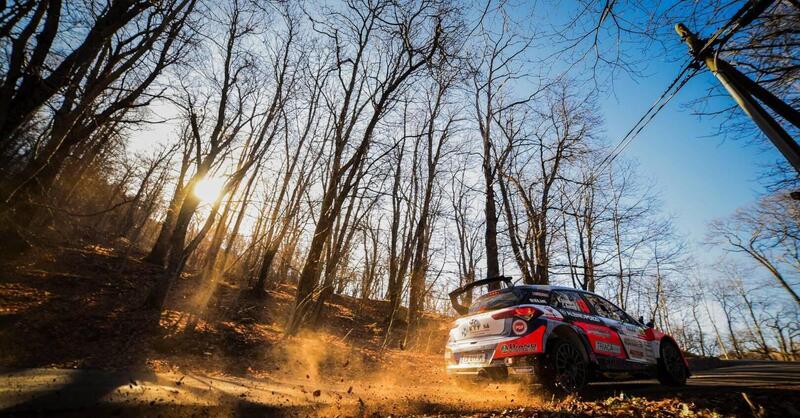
(672, 370)
(564, 369)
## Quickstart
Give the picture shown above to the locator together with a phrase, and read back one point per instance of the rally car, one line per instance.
(561, 337)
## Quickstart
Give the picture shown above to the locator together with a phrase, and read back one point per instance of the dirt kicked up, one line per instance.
(322, 377)
(54, 392)
(73, 342)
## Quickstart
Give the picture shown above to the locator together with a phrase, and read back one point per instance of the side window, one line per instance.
(606, 309)
(569, 300)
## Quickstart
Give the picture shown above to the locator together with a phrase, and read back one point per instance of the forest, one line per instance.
(392, 151)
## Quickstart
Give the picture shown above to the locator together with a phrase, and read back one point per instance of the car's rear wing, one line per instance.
(461, 309)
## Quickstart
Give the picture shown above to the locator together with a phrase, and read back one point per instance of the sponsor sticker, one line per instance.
(519, 348)
(582, 316)
(519, 326)
(607, 347)
(474, 325)
(551, 313)
(599, 332)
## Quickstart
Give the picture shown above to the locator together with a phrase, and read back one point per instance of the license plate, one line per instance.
(472, 358)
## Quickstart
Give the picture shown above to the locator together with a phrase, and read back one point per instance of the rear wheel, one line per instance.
(672, 370)
(564, 369)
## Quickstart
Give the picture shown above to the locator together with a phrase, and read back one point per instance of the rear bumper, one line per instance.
(511, 354)
(514, 365)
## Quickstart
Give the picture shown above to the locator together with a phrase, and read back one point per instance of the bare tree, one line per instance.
(769, 233)
(114, 76)
(533, 164)
(31, 77)
(467, 231)
(497, 65)
(226, 108)
(437, 129)
(409, 37)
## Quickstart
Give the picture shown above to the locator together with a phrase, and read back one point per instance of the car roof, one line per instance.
(547, 287)
(543, 287)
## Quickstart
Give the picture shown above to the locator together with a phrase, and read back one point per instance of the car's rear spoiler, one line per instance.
(461, 309)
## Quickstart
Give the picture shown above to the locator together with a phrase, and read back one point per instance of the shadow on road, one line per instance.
(774, 386)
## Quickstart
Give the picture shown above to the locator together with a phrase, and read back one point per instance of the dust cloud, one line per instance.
(345, 380)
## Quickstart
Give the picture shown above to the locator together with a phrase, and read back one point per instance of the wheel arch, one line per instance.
(669, 340)
(568, 333)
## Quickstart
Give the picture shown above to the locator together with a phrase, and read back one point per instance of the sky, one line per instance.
(701, 177)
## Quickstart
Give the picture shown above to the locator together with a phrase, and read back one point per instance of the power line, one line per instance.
(648, 116)
(742, 17)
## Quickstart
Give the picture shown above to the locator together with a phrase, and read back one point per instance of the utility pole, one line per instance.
(745, 91)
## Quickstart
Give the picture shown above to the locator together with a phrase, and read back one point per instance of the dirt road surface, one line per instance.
(58, 392)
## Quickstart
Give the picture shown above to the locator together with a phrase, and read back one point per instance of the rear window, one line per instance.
(499, 299)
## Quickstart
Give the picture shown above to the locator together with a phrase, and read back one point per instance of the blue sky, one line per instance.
(701, 177)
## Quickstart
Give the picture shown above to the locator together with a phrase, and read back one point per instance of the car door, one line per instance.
(602, 339)
(630, 332)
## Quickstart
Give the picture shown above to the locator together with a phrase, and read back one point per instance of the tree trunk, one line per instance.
(309, 275)
(699, 331)
(490, 210)
(756, 324)
(158, 254)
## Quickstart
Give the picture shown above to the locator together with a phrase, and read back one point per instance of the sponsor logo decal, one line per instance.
(582, 316)
(474, 325)
(599, 332)
(633, 342)
(607, 347)
(551, 313)
(519, 348)
(519, 326)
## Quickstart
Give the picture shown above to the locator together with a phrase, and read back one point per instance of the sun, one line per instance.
(208, 189)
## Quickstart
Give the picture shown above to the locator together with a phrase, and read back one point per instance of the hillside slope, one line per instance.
(81, 307)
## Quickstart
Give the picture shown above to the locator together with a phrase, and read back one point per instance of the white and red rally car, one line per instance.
(563, 337)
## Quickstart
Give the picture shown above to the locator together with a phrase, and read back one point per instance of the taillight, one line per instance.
(524, 312)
